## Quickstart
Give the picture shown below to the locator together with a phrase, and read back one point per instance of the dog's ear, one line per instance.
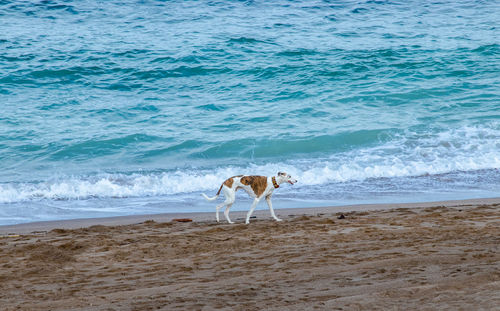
(281, 174)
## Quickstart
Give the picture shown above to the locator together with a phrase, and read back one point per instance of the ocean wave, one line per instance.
(467, 149)
(109, 186)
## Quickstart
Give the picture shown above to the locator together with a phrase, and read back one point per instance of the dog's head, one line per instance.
(285, 177)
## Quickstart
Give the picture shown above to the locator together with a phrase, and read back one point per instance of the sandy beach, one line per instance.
(424, 256)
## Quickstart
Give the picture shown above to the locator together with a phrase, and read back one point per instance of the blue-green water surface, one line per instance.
(133, 107)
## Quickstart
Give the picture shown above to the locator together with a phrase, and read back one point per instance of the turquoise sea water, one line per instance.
(133, 107)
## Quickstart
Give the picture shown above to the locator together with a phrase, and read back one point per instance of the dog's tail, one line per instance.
(215, 197)
(209, 199)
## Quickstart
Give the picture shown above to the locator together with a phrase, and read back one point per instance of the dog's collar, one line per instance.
(275, 184)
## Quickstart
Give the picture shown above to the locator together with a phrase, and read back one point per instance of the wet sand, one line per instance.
(439, 256)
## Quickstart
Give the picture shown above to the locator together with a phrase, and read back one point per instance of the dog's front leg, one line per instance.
(270, 204)
(254, 205)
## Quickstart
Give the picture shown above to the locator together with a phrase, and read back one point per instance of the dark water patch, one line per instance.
(178, 72)
(282, 25)
(355, 67)
(95, 148)
(381, 2)
(13, 80)
(124, 87)
(190, 59)
(257, 120)
(394, 36)
(332, 74)
(59, 105)
(134, 53)
(146, 108)
(67, 8)
(347, 34)
(164, 59)
(54, 76)
(306, 112)
(227, 127)
(17, 58)
(298, 52)
(331, 17)
(111, 114)
(270, 72)
(483, 96)
(460, 73)
(57, 73)
(490, 49)
(211, 107)
(290, 95)
(376, 54)
(248, 40)
(175, 149)
(359, 10)
(410, 64)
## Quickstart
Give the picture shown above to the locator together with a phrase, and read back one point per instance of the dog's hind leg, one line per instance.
(226, 213)
(230, 197)
(217, 208)
(228, 203)
(270, 204)
(254, 205)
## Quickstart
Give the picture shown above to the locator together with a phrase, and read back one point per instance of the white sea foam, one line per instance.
(466, 149)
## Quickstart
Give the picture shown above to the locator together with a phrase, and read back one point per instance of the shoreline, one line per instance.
(237, 216)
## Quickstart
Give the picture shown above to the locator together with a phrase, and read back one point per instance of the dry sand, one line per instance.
(426, 258)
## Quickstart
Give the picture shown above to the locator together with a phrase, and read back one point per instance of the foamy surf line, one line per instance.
(323, 173)
(467, 149)
(45, 226)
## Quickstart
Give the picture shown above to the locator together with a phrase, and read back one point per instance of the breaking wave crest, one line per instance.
(411, 154)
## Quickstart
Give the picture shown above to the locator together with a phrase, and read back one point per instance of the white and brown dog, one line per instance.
(257, 187)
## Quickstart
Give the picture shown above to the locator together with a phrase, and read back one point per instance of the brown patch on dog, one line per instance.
(218, 192)
(247, 180)
(258, 183)
(229, 182)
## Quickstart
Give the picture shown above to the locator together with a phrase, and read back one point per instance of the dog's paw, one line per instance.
(279, 219)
